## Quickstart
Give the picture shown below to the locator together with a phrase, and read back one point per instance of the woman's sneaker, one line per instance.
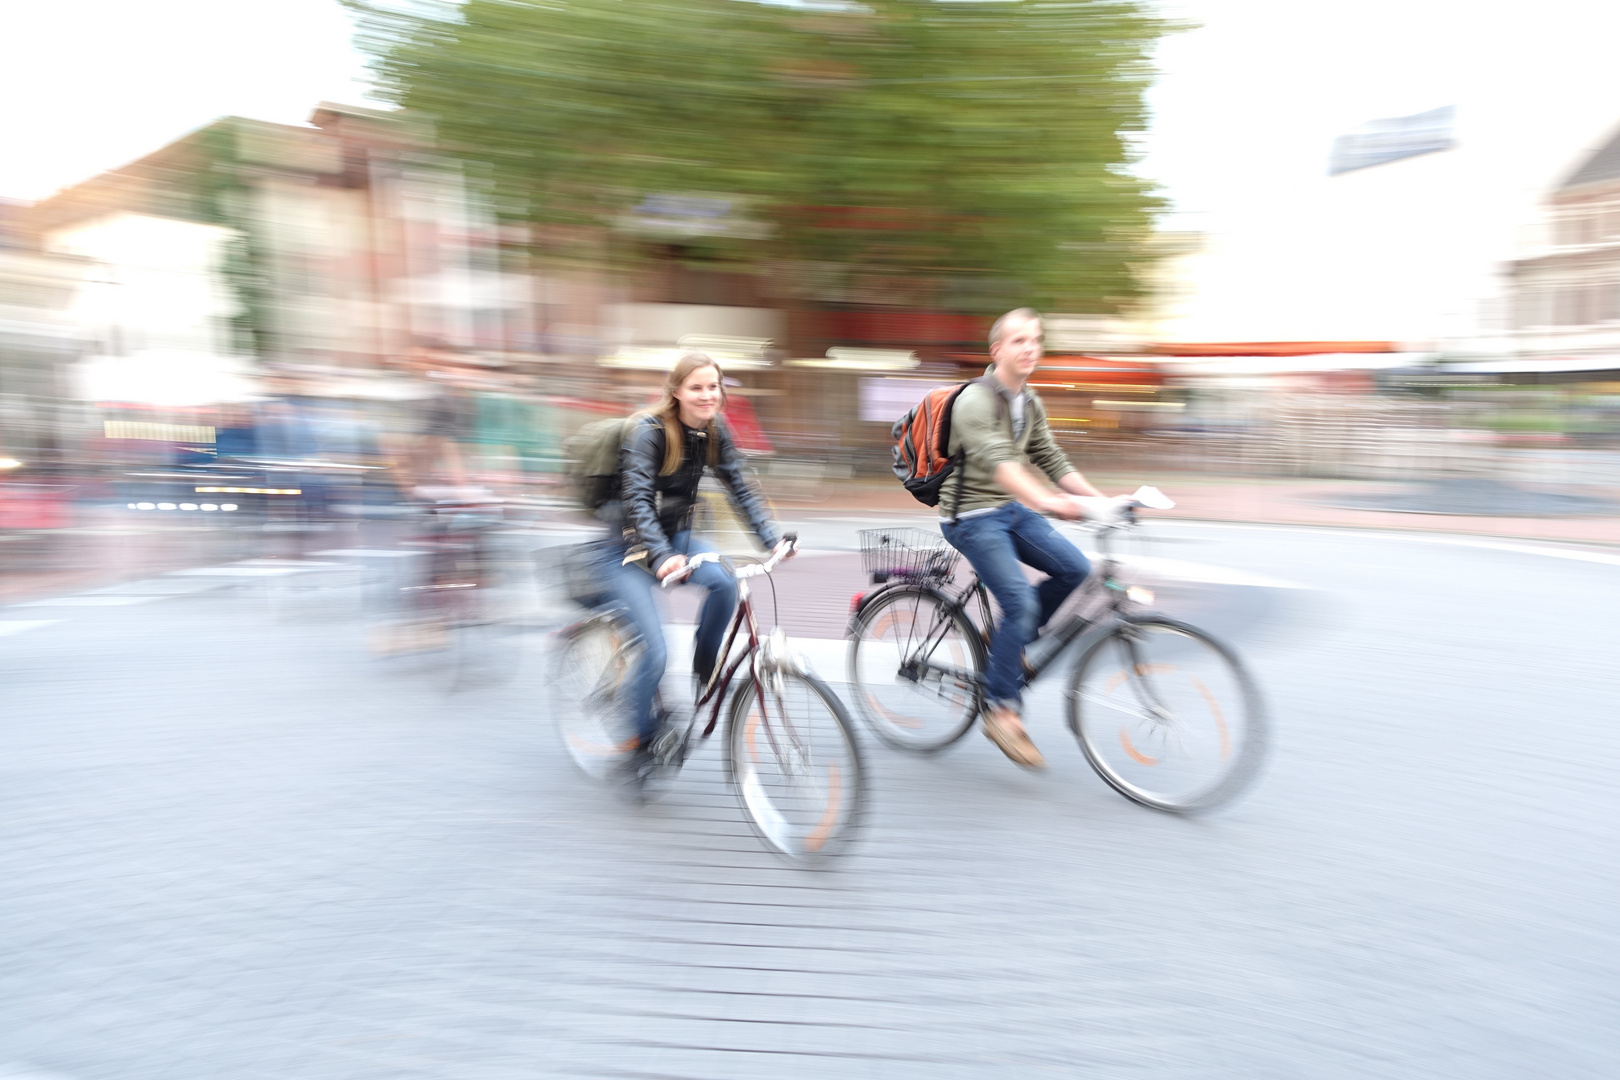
(669, 745)
(653, 759)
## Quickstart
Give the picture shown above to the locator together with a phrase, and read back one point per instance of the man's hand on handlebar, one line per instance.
(1106, 511)
(672, 565)
(1119, 510)
(1061, 505)
(1095, 509)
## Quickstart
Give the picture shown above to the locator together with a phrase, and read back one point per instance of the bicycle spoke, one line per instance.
(795, 764)
(1167, 716)
(913, 665)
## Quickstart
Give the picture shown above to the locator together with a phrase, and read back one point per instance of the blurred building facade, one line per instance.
(40, 338)
(334, 244)
(1566, 295)
(332, 249)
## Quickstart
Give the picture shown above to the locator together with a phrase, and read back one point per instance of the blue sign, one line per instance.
(1378, 142)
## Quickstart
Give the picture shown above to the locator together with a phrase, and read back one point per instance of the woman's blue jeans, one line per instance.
(633, 588)
(995, 544)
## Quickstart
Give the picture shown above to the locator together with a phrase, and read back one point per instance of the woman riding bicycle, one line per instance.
(661, 461)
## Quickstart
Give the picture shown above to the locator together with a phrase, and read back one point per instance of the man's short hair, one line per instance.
(998, 327)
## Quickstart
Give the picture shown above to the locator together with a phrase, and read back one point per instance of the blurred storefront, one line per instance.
(337, 243)
(1566, 292)
(40, 338)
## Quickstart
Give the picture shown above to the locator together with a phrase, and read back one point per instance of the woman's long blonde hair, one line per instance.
(668, 411)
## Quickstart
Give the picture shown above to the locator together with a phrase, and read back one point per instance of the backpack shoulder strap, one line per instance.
(989, 384)
(982, 381)
(960, 457)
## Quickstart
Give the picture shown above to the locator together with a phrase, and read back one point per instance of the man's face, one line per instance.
(1020, 349)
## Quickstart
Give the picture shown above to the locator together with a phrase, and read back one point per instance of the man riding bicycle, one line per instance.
(992, 515)
(661, 462)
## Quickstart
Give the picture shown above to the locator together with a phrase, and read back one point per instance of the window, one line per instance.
(1609, 302)
(1567, 230)
(1568, 301)
(1531, 307)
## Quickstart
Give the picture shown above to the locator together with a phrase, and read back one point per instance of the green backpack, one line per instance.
(592, 454)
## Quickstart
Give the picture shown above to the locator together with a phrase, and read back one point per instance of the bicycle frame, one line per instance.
(1108, 598)
(727, 666)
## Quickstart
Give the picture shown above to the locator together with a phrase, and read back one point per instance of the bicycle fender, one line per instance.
(868, 599)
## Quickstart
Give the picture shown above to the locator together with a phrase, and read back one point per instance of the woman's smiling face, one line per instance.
(699, 397)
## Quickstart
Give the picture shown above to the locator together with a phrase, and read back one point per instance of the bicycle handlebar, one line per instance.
(1150, 498)
(789, 544)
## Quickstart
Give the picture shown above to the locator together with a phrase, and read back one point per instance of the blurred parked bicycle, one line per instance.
(457, 594)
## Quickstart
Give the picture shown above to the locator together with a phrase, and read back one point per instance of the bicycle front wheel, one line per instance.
(915, 664)
(1167, 715)
(588, 674)
(792, 755)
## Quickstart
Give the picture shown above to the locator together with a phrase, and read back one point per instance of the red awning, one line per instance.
(1271, 348)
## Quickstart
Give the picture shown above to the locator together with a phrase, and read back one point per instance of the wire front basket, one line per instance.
(907, 553)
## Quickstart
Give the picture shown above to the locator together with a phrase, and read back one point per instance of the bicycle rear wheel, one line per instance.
(588, 673)
(915, 664)
(1167, 715)
(792, 755)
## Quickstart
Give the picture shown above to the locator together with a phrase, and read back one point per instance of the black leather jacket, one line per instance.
(656, 507)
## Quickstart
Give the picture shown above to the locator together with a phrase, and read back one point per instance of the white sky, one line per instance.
(88, 85)
(1252, 99)
(1412, 251)
(1244, 113)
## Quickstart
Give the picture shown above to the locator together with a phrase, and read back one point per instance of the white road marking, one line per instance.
(17, 626)
(826, 656)
(238, 571)
(87, 601)
(1203, 573)
(1517, 547)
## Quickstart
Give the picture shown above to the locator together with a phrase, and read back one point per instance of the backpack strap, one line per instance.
(960, 457)
(961, 479)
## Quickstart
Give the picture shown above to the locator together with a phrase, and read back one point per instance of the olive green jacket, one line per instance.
(982, 426)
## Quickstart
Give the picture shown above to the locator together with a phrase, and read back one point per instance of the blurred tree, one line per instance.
(946, 152)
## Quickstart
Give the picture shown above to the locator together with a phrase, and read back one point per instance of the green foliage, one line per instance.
(977, 150)
(220, 195)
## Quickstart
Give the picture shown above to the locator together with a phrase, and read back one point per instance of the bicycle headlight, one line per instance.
(1139, 595)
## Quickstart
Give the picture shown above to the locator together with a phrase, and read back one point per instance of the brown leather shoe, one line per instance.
(1002, 727)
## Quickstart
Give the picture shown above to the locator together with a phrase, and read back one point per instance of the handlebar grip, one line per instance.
(692, 563)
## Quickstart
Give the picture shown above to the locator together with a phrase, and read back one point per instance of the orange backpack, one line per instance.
(922, 437)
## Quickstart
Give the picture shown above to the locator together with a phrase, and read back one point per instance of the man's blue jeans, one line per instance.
(995, 544)
(633, 587)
